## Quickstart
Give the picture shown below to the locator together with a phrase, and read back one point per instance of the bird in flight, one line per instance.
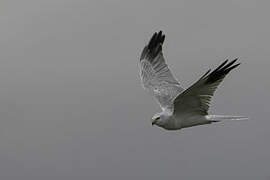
(180, 108)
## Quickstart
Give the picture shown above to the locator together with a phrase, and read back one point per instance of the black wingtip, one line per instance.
(222, 70)
(205, 74)
(154, 46)
(152, 41)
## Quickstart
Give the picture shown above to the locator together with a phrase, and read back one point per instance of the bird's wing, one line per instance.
(155, 75)
(196, 99)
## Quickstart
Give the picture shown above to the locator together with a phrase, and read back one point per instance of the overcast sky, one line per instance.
(71, 102)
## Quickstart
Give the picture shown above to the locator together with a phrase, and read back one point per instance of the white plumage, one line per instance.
(180, 108)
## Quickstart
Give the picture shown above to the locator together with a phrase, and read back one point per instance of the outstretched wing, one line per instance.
(196, 99)
(155, 75)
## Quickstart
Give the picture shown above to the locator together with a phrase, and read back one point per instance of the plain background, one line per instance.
(71, 102)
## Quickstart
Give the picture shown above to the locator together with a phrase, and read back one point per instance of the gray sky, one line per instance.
(72, 106)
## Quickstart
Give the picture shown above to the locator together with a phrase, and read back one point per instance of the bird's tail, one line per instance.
(218, 118)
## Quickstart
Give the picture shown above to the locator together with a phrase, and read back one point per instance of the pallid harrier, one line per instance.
(180, 108)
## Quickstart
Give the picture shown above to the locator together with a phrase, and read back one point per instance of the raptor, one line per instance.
(181, 108)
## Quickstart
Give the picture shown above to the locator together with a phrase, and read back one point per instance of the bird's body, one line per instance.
(176, 122)
(180, 108)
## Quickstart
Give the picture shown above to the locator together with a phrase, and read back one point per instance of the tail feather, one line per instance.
(217, 118)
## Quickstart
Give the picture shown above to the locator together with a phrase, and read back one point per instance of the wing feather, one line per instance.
(155, 74)
(196, 99)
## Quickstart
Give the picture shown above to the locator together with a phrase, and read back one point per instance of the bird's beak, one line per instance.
(154, 121)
